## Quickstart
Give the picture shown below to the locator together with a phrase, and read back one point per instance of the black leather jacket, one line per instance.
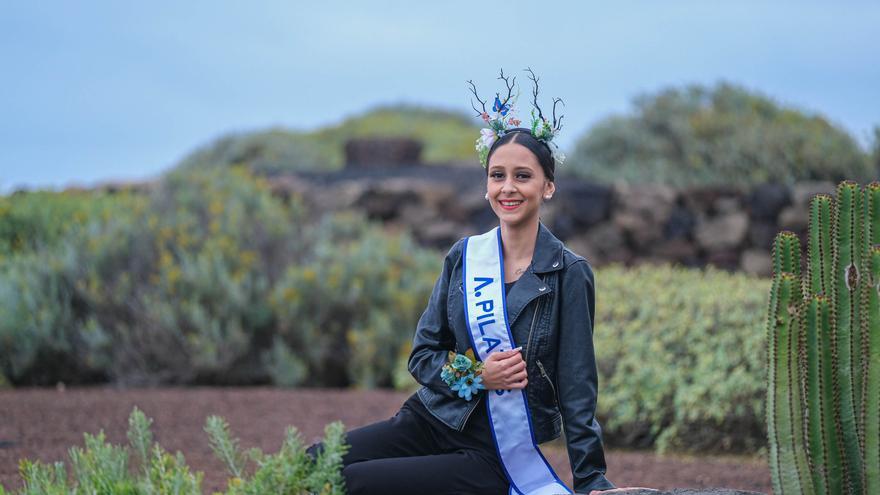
(550, 311)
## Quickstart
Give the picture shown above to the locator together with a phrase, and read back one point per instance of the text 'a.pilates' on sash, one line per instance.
(485, 315)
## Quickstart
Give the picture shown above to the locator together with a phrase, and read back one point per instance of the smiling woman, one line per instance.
(504, 348)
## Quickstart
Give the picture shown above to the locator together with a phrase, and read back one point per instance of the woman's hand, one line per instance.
(505, 370)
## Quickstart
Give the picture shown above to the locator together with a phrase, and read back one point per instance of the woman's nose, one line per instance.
(508, 187)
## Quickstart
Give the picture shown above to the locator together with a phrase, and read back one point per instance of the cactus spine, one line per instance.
(823, 334)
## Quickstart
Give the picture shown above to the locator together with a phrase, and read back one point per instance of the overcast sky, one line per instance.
(95, 91)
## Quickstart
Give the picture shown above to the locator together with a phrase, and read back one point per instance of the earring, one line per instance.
(548, 196)
(486, 196)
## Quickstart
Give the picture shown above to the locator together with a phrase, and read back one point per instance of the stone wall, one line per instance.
(724, 227)
(382, 152)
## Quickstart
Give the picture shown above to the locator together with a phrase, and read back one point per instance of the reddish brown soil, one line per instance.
(43, 423)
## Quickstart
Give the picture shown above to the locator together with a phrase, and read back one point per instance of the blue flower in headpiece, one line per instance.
(468, 385)
(498, 107)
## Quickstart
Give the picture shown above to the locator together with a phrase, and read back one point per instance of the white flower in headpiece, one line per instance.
(559, 156)
(487, 137)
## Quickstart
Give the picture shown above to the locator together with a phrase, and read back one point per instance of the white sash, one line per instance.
(485, 310)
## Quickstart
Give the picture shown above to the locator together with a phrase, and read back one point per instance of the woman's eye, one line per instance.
(496, 175)
(523, 176)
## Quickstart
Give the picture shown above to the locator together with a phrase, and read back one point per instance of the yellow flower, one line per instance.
(290, 294)
(215, 208)
(174, 274)
(248, 257)
(165, 258)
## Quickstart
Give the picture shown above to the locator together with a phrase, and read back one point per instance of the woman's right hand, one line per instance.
(505, 370)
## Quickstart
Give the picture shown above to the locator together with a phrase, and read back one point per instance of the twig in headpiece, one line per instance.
(557, 123)
(482, 102)
(510, 85)
(534, 79)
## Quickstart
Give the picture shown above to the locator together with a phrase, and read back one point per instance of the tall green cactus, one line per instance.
(823, 335)
(847, 285)
(870, 406)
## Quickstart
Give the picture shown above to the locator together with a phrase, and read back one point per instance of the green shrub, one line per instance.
(30, 221)
(348, 308)
(43, 327)
(446, 135)
(680, 354)
(213, 281)
(269, 152)
(291, 470)
(102, 468)
(717, 136)
(175, 293)
(875, 151)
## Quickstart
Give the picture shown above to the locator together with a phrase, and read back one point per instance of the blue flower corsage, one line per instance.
(462, 374)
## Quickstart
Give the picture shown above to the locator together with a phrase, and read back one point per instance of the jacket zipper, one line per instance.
(547, 377)
(532, 327)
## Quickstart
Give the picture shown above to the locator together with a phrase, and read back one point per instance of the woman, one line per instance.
(445, 441)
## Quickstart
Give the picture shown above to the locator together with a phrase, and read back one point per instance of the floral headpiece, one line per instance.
(503, 119)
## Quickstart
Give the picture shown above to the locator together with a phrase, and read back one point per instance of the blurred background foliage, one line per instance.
(447, 136)
(681, 136)
(346, 311)
(209, 280)
(31, 221)
(719, 135)
(681, 357)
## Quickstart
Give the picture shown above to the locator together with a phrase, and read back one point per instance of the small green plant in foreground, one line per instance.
(102, 468)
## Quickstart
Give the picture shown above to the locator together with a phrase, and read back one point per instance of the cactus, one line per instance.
(823, 335)
(786, 452)
(870, 406)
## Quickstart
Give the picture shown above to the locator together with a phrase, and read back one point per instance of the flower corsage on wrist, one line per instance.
(462, 374)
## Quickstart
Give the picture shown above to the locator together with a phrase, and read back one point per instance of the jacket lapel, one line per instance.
(524, 291)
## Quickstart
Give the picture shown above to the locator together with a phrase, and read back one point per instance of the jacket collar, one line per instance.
(548, 251)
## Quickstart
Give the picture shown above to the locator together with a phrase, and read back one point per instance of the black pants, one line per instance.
(415, 453)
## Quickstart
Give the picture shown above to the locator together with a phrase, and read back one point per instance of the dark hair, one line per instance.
(523, 136)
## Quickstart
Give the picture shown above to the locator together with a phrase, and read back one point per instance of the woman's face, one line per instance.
(516, 184)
